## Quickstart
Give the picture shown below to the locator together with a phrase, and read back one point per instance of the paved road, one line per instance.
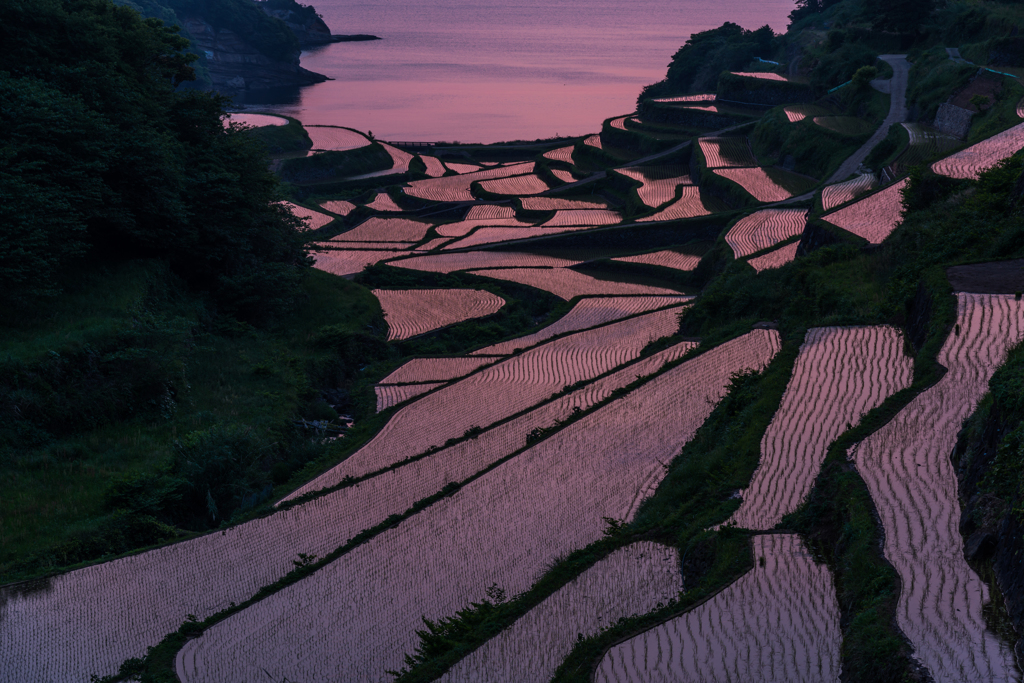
(897, 114)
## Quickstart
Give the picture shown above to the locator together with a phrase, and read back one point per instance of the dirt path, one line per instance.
(897, 114)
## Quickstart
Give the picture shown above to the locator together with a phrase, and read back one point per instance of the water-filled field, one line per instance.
(777, 624)
(840, 374)
(907, 469)
(982, 156)
(757, 182)
(630, 581)
(874, 217)
(410, 312)
(763, 229)
(840, 193)
(666, 259)
(775, 259)
(350, 620)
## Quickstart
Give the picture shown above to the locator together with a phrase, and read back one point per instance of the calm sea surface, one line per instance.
(493, 70)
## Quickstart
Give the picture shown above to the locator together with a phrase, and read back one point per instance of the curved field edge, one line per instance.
(840, 524)
(695, 494)
(159, 664)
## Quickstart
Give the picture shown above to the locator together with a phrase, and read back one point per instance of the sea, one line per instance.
(494, 70)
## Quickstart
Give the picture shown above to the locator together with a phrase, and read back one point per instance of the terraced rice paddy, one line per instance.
(971, 162)
(400, 162)
(473, 260)
(564, 176)
(727, 152)
(1020, 109)
(874, 217)
(340, 207)
(567, 284)
(515, 185)
(412, 312)
(658, 183)
(393, 394)
(344, 263)
(632, 580)
(313, 220)
(486, 211)
(353, 619)
(335, 243)
(463, 228)
(759, 74)
(840, 374)
(499, 391)
(795, 113)
(435, 243)
(462, 168)
(385, 230)
(619, 123)
(840, 193)
(779, 623)
(456, 188)
(593, 141)
(665, 259)
(254, 120)
(559, 204)
(757, 182)
(706, 97)
(498, 234)
(435, 169)
(776, 258)
(561, 154)
(383, 202)
(763, 229)
(334, 139)
(588, 217)
(130, 603)
(587, 313)
(689, 205)
(436, 369)
(906, 466)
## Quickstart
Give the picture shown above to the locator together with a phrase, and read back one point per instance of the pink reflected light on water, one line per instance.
(488, 71)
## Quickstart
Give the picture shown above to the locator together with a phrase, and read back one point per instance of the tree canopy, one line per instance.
(103, 155)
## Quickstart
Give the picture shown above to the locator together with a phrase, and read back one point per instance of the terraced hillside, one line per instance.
(671, 401)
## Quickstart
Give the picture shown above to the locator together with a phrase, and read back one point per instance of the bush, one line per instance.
(102, 154)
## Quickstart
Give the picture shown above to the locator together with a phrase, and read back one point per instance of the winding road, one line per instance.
(897, 114)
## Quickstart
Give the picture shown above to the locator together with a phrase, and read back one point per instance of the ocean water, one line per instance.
(493, 70)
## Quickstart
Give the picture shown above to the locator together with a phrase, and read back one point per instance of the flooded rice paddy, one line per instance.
(906, 466)
(411, 312)
(727, 152)
(665, 259)
(874, 217)
(840, 374)
(763, 229)
(757, 182)
(775, 259)
(982, 156)
(840, 193)
(634, 580)
(466, 425)
(352, 619)
(779, 623)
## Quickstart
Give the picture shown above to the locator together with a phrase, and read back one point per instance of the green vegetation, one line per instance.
(850, 117)
(698, 63)
(329, 166)
(242, 17)
(283, 140)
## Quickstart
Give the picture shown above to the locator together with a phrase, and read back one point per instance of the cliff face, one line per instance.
(311, 31)
(234, 64)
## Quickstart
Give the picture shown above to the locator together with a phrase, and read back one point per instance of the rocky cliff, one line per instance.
(235, 64)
